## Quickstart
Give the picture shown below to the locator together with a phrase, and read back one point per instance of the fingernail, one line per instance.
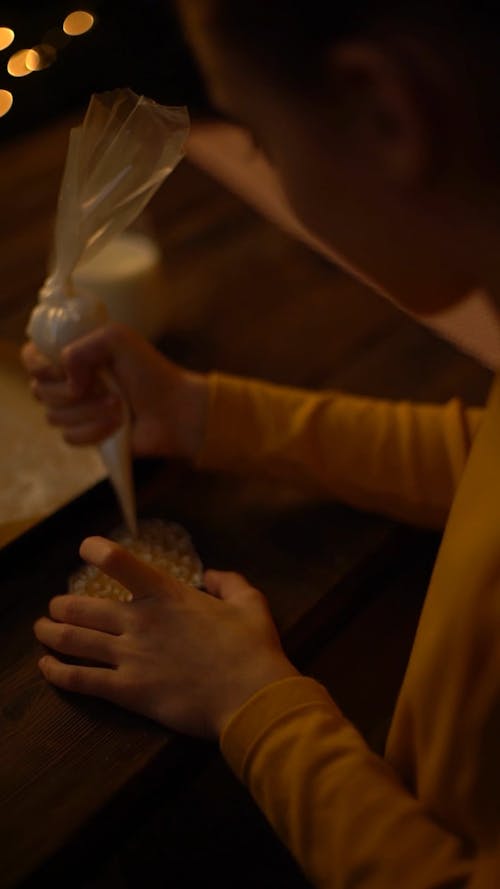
(95, 549)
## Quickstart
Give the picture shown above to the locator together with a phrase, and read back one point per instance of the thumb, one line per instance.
(141, 579)
(230, 586)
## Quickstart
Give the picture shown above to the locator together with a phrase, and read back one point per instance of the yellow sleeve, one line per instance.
(398, 458)
(340, 809)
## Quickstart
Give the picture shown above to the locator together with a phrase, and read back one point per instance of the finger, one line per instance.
(100, 682)
(63, 392)
(87, 611)
(105, 411)
(142, 580)
(85, 356)
(90, 433)
(230, 586)
(76, 641)
(53, 393)
(38, 365)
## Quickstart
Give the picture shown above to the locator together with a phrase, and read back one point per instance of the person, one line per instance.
(381, 122)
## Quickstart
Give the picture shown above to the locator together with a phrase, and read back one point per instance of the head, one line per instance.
(380, 120)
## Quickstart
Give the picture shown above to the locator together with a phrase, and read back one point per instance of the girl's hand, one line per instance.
(168, 404)
(182, 657)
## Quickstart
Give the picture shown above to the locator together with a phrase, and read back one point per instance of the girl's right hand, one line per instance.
(168, 403)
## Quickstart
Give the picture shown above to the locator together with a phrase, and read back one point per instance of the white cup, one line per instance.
(128, 276)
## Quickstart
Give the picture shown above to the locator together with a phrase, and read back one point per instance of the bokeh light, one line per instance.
(6, 100)
(33, 60)
(6, 37)
(77, 23)
(40, 57)
(16, 66)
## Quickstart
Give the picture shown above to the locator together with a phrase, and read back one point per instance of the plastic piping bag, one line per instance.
(117, 159)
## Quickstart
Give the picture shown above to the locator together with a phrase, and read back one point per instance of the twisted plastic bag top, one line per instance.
(117, 159)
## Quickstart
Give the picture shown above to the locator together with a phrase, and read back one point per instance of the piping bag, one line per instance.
(117, 159)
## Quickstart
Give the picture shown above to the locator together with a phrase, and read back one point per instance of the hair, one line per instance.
(290, 37)
(289, 41)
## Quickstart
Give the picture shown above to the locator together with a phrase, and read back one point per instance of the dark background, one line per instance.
(135, 44)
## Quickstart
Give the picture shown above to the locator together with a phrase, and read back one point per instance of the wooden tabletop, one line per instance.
(78, 776)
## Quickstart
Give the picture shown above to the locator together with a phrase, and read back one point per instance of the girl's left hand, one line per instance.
(177, 655)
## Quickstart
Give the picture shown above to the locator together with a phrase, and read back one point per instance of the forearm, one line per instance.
(339, 808)
(397, 458)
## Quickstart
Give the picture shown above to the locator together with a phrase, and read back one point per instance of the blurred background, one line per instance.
(54, 54)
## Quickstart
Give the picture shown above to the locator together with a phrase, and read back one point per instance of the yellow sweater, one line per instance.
(427, 815)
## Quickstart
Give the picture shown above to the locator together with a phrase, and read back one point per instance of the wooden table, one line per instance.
(89, 788)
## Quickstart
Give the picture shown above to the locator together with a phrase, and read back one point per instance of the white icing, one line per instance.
(57, 320)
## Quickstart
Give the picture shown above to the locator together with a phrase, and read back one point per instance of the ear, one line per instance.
(381, 115)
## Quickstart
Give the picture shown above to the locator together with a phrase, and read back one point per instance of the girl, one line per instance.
(381, 122)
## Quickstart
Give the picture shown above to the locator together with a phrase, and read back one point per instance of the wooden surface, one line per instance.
(107, 794)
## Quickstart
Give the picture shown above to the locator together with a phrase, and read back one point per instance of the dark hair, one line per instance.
(290, 37)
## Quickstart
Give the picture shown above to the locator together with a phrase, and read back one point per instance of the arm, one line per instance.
(212, 665)
(397, 458)
(341, 810)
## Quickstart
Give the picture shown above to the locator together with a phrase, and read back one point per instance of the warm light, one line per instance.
(16, 66)
(33, 60)
(40, 57)
(6, 37)
(77, 23)
(6, 100)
